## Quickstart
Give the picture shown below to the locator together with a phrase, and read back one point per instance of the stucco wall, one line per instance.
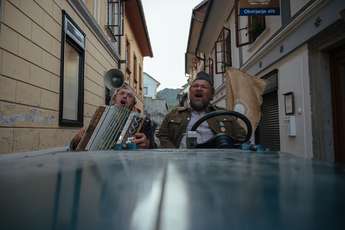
(296, 5)
(272, 23)
(134, 50)
(151, 86)
(293, 76)
(30, 74)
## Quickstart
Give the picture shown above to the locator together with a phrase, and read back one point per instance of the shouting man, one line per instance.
(124, 96)
(179, 121)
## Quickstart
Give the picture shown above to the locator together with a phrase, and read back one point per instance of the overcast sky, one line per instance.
(168, 25)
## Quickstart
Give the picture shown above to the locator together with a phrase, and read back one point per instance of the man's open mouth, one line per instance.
(123, 102)
(198, 95)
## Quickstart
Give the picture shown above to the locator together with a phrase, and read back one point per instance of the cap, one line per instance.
(202, 75)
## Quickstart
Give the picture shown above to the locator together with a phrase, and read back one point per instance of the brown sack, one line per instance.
(244, 94)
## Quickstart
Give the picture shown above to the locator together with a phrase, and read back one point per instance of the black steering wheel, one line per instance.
(222, 140)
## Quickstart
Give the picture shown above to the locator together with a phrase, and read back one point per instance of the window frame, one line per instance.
(225, 51)
(211, 67)
(252, 36)
(66, 37)
(96, 10)
(110, 14)
(248, 28)
(140, 78)
(208, 66)
(128, 56)
(135, 72)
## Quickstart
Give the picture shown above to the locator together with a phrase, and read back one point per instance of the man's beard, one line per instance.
(198, 105)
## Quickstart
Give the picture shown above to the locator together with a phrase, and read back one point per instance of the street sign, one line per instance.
(259, 7)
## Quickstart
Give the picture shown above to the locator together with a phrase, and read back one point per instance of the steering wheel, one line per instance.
(222, 140)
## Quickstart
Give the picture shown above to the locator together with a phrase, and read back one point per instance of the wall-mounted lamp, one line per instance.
(289, 103)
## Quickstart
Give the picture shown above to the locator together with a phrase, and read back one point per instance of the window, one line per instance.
(128, 56)
(115, 17)
(208, 67)
(145, 91)
(248, 28)
(96, 10)
(223, 51)
(135, 72)
(72, 74)
(140, 78)
(256, 26)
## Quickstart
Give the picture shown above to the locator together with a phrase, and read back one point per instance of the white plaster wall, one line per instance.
(296, 5)
(151, 87)
(293, 76)
(221, 103)
(218, 80)
(273, 23)
(234, 50)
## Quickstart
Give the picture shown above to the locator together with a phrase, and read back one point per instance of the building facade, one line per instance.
(299, 54)
(53, 56)
(150, 86)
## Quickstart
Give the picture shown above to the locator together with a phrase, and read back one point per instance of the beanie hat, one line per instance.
(202, 75)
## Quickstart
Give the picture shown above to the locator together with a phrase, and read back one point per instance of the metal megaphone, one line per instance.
(113, 79)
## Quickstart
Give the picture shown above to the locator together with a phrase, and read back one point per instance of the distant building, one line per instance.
(155, 109)
(150, 86)
(170, 95)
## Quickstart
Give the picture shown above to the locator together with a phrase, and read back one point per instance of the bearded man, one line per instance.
(172, 133)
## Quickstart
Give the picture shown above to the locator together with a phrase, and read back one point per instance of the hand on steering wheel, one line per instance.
(221, 140)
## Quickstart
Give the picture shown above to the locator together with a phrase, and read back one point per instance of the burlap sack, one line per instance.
(245, 94)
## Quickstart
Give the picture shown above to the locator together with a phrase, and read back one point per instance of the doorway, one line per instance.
(267, 132)
(337, 67)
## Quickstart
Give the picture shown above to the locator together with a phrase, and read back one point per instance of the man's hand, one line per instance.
(141, 140)
(80, 134)
(77, 138)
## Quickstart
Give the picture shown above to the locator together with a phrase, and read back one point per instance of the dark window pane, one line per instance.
(257, 26)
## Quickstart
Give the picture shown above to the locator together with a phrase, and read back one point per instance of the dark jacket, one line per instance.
(175, 123)
(148, 129)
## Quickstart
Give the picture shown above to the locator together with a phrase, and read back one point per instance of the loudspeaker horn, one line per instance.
(113, 79)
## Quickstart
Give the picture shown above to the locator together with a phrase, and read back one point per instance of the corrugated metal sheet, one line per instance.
(267, 132)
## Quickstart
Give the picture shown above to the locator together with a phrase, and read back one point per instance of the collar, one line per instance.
(209, 108)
